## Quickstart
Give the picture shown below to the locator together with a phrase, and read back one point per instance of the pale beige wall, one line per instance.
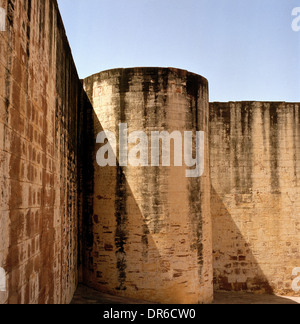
(255, 174)
(151, 225)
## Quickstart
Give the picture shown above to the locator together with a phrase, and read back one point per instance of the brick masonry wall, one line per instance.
(150, 234)
(40, 106)
(255, 175)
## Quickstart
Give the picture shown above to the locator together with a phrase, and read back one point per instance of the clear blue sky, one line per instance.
(245, 48)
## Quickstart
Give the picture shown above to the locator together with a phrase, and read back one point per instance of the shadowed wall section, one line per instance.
(41, 101)
(151, 225)
(255, 175)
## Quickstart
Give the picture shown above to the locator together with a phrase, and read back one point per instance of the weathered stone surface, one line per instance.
(40, 101)
(151, 225)
(135, 231)
(255, 175)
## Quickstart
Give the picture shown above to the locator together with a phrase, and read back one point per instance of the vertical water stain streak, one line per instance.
(274, 140)
(152, 210)
(121, 235)
(121, 215)
(295, 138)
(242, 147)
(193, 86)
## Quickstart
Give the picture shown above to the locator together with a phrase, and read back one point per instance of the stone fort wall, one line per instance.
(151, 225)
(41, 103)
(255, 195)
(49, 226)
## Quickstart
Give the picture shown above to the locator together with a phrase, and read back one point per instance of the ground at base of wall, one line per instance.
(227, 298)
(85, 295)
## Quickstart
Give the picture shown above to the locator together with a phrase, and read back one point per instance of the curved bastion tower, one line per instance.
(150, 236)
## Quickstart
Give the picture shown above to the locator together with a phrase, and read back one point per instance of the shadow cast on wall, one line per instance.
(144, 232)
(107, 241)
(235, 266)
(129, 242)
(254, 151)
(115, 251)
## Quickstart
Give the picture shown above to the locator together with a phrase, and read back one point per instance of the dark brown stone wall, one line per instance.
(41, 104)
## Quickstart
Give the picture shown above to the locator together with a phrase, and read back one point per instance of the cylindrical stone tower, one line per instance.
(150, 234)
